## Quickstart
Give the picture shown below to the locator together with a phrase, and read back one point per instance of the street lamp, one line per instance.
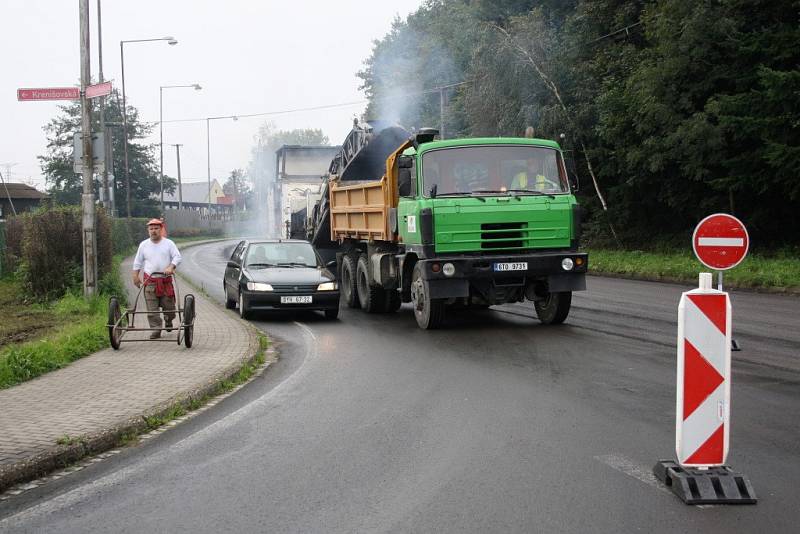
(196, 87)
(171, 41)
(208, 152)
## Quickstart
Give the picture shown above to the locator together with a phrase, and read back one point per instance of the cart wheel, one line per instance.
(114, 315)
(188, 320)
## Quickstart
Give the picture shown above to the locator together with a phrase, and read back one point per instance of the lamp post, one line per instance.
(208, 152)
(196, 87)
(171, 41)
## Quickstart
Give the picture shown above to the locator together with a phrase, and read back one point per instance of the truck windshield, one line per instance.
(492, 169)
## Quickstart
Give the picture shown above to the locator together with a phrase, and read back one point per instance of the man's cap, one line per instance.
(155, 221)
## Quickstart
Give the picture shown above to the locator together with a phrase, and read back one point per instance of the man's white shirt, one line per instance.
(155, 257)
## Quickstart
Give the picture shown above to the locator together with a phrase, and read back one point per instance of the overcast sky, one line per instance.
(249, 56)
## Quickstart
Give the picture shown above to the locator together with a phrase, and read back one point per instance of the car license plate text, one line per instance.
(519, 266)
(296, 300)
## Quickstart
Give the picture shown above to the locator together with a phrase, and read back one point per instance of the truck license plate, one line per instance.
(296, 300)
(519, 266)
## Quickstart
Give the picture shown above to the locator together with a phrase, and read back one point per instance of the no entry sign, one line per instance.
(720, 241)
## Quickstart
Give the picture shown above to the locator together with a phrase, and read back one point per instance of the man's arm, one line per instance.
(138, 263)
(174, 258)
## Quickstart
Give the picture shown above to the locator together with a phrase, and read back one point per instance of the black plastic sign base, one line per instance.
(715, 485)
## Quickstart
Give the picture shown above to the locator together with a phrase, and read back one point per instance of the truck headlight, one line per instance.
(258, 286)
(449, 269)
(567, 264)
(327, 286)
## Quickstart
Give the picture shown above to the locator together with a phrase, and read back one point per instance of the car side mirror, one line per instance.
(331, 265)
(233, 265)
(404, 182)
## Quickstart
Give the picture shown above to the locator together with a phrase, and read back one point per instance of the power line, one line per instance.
(318, 108)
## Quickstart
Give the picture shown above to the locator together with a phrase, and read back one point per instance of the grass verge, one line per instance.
(81, 331)
(779, 273)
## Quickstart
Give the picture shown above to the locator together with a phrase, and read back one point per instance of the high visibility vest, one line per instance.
(521, 179)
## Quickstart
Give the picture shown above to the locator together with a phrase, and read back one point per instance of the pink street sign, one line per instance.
(49, 93)
(101, 89)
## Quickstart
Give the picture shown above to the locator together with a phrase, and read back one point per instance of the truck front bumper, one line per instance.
(481, 270)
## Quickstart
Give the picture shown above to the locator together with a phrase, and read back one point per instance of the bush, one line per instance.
(46, 248)
(127, 233)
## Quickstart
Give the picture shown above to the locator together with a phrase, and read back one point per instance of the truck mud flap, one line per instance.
(445, 289)
(566, 282)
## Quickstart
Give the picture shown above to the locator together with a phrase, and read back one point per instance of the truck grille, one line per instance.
(502, 235)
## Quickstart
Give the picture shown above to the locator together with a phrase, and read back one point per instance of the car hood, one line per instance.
(289, 275)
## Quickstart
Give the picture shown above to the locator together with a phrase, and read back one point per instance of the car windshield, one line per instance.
(280, 254)
(516, 169)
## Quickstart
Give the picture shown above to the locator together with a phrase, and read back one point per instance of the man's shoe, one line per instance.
(168, 324)
(155, 334)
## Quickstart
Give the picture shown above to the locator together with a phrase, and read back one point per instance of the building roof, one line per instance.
(193, 192)
(16, 190)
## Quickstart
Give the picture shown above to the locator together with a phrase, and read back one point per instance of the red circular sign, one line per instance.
(720, 241)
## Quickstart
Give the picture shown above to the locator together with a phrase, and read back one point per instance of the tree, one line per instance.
(237, 185)
(65, 185)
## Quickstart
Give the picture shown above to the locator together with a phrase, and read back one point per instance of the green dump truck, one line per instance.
(444, 223)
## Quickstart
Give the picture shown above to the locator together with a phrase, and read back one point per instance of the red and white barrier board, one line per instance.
(704, 389)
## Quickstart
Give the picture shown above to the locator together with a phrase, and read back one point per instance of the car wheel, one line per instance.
(331, 314)
(229, 302)
(244, 312)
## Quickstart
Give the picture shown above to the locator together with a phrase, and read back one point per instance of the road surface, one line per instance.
(495, 423)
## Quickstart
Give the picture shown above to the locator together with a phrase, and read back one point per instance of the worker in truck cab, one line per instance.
(531, 177)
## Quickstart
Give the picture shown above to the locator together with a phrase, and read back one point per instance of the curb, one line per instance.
(788, 291)
(88, 445)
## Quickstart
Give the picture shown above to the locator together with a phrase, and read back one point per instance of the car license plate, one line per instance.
(296, 300)
(519, 266)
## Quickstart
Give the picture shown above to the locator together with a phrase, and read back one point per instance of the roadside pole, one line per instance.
(106, 194)
(180, 187)
(87, 198)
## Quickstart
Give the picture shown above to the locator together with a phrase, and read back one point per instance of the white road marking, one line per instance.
(632, 469)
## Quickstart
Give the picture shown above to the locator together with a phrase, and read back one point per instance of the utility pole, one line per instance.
(104, 196)
(180, 187)
(441, 112)
(87, 198)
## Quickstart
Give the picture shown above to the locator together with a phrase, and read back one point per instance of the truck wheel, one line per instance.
(392, 300)
(428, 312)
(554, 308)
(348, 282)
(370, 297)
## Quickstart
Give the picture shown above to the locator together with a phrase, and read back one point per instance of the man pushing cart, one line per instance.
(158, 257)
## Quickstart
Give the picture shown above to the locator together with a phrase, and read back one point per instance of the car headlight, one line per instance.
(449, 269)
(327, 286)
(567, 264)
(258, 286)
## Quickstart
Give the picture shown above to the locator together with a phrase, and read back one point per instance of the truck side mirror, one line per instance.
(404, 182)
(405, 162)
(574, 184)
